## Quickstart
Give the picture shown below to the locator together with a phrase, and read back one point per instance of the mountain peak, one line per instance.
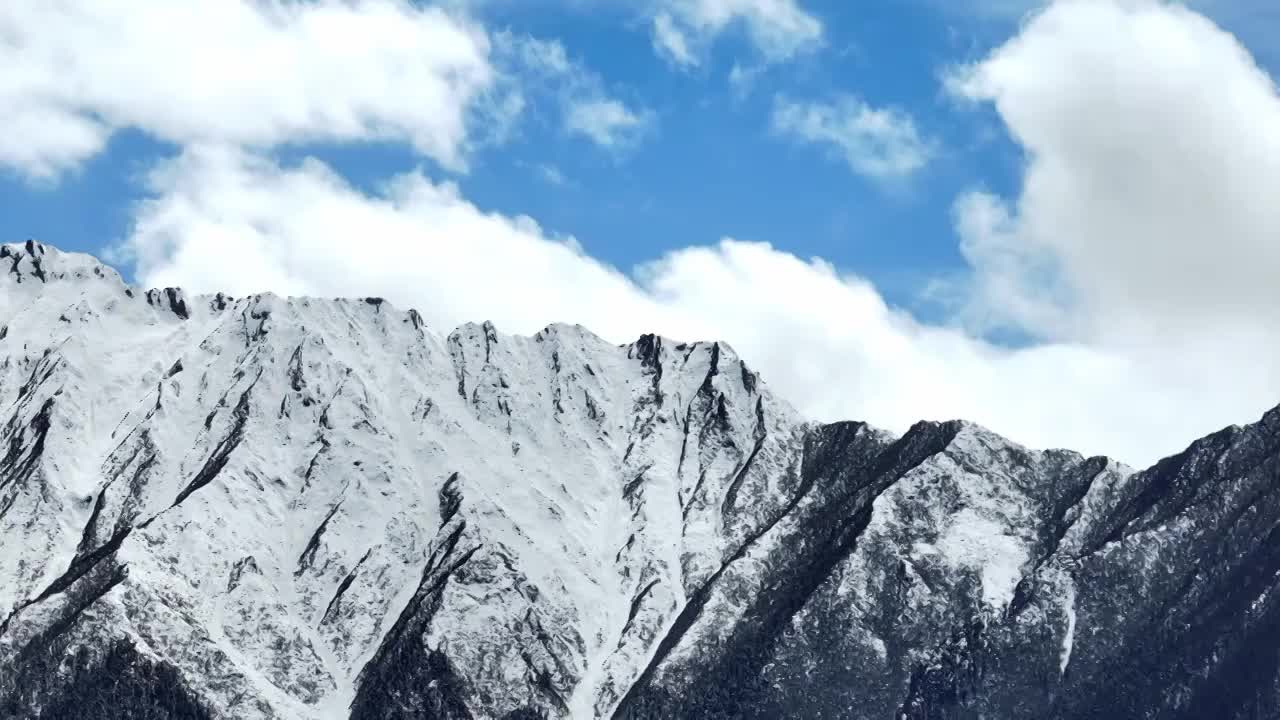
(288, 508)
(33, 261)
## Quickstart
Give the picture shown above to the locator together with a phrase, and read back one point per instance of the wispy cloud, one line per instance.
(742, 79)
(608, 123)
(777, 29)
(552, 174)
(879, 143)
(543, 68)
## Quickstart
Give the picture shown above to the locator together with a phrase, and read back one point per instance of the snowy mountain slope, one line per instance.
(301, 508)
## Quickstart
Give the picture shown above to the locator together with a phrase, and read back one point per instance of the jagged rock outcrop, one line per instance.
(216, 507)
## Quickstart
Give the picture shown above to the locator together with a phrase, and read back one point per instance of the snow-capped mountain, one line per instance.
(216, 507)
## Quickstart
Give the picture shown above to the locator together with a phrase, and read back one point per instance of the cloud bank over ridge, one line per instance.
(1136, 254)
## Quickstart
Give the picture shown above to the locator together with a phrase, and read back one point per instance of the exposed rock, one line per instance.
(337, 512)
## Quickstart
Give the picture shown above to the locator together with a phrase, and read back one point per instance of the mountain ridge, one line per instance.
(294, 508)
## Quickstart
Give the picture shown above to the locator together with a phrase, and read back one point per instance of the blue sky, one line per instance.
(1050, 220)
(708, 165)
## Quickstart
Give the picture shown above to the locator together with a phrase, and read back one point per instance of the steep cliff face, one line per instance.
(300, 508)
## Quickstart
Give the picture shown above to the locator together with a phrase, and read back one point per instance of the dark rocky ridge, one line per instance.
(1196, 638)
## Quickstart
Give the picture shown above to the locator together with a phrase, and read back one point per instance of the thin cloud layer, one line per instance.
(778, 29)
(543, 68)
(879, 143)
(608, 123)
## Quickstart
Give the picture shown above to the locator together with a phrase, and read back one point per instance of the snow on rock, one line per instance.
(979, 544)
(263, 507)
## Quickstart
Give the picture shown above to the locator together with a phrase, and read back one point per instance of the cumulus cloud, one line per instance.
(226, 219)
(778, 29)
(1013, 285)
(1153, 145)
(1144, 226)
(880, 143)
(243, 71)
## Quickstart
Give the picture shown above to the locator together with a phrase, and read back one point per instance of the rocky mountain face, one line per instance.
(216, 507)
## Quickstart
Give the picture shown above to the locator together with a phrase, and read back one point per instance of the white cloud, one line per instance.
(230, 220)
(608, 123)
(544, 69)
(245, 71)
(742, 79)
(552, 174)
(778, 29)
(1014, 285)
(880, 143)
(1153, 148)
(544, 58)
(1146, 226)
(670, 41)
(993, 9)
